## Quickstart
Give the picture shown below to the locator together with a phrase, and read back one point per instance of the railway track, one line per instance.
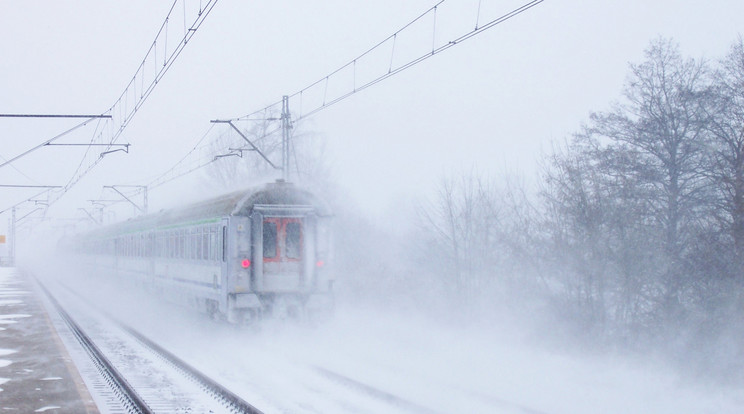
(500, 405)
(132, 390)
(374, 392)
(301, 388)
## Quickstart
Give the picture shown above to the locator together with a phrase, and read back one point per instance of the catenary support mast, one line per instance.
(285, 137)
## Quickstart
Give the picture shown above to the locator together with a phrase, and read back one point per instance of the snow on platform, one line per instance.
(36, 373)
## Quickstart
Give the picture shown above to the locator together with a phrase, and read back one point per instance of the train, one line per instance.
(244, 256)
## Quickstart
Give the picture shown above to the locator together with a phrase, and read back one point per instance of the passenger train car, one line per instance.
(239, 256)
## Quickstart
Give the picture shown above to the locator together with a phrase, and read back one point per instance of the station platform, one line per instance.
(37, 374)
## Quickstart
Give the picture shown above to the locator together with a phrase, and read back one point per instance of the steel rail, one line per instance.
(233, 402)
(408, 405)
(123, 390)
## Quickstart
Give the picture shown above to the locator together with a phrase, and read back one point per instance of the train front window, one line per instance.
(269, 239)
(293, 240)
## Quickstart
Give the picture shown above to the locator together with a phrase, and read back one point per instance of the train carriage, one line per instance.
(239, 256)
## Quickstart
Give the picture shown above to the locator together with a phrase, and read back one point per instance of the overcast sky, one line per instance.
(492, 103)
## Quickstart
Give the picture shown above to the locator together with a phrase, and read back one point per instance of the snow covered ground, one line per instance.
(36, 375)
(405, 363)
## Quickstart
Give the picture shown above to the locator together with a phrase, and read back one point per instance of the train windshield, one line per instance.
(269, 239)
(293, 240)
(282, 239)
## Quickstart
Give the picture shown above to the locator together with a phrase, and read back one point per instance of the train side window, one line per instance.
(224, 243)
(193, 246)
(180, 253)
(189, 244)
(269, 238)
(293, 240)
(190, 248)
(173, 244)
(203, 240)
(196, 243)
(168, 245)
(212, 244)
(199, 244)
(204, 244)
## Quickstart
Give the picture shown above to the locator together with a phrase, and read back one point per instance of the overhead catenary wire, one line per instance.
(391, 70)
(160, 179)
(51, 116)
(26, 200)
(19, 171)
(421, 58)
(122, 111)
(167, 63)
(305, 110)
(206, 159)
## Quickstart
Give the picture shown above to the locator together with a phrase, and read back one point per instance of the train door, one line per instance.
(283, 239)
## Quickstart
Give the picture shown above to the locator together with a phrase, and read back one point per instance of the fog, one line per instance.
(498, 245)
(430, 358)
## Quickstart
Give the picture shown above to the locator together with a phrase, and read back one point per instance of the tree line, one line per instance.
(636, 237)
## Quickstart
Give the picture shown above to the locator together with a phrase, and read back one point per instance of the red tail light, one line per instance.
(245, 263)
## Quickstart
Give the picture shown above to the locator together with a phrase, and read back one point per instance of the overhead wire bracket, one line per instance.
(253, 146)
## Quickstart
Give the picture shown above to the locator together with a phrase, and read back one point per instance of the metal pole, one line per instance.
(285, 137)
(145, 195)
(52, 116)
(12, 236)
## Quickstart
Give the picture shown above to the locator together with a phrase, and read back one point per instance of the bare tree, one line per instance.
(727, 128)
(462, 237)
(663, 122)
(575, 199)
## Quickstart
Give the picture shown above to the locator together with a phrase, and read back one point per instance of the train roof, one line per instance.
(239, 203)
